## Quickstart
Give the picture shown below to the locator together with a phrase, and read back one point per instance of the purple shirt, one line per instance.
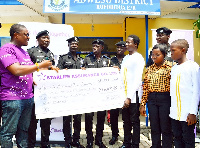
(14, 87)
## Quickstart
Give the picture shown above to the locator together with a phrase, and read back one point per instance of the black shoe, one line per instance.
(135, 146)
(46, 146)
(68, 145)
(89, 145)
(100, 144)
(77, 144)
(113, 140)
(123, 146)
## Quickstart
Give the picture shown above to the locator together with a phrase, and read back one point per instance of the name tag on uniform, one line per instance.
(68, 62)
(90, 64)
(104, 63)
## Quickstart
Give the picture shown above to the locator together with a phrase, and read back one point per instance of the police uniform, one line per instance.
(114, 113)
(38, 55)
(67, 61)
(170, 62)
(91, 61)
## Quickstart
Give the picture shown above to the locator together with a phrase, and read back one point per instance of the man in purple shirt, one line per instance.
(16, 95)
(0, 100)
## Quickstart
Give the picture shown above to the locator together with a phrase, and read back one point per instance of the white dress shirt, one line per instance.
(131, 71)
(184, 90)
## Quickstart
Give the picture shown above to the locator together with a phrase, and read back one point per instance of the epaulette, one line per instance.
(90, 54)
(104, 56)
(60, 56)
(31, 48)
(113, 58)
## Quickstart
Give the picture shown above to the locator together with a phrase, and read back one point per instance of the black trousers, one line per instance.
(45, 130)
(100, 125)
(89, 126)
(0, 113)
(67, 121)
(114, 114)
(131, 119)
(159, 108)
(184, 136)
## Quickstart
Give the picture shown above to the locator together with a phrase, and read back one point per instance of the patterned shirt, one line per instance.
(157, 79)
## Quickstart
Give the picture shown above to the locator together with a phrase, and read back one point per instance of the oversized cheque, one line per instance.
(77, 91)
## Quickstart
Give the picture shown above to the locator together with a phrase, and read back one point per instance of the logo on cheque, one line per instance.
(58, 5)
(41, 76)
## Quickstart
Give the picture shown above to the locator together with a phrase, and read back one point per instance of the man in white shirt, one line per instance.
(131, 71)
(184, 91)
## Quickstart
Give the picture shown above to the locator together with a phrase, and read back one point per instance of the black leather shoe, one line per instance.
(68, 145)
(100, 144)
(113, 140)
(46, 146)
(77, 144)
(89, 145)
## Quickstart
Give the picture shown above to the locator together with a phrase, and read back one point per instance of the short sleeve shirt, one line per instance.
(14, 87)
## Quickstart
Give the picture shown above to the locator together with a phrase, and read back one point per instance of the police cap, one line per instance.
(163, 30)
(75, 38)
(121, 43)
(42, 33)
(98, 41)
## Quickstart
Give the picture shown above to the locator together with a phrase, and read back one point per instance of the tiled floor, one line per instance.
(145, 135)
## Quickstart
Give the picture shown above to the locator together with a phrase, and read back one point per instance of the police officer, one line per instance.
(95, 60)
(38, 54)
(71, 61)
(114, 113)
(162, 37)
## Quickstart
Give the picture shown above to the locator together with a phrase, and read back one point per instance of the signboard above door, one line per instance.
(126, 7)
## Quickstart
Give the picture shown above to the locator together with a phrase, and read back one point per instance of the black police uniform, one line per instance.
(38, 55)
(114, 113)
(91, 61)
(67, 61)
(162, 30)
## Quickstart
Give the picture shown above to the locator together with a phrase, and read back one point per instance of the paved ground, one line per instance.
(145, 135)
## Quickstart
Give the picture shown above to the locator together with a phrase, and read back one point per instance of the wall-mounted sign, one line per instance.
(130, 7)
